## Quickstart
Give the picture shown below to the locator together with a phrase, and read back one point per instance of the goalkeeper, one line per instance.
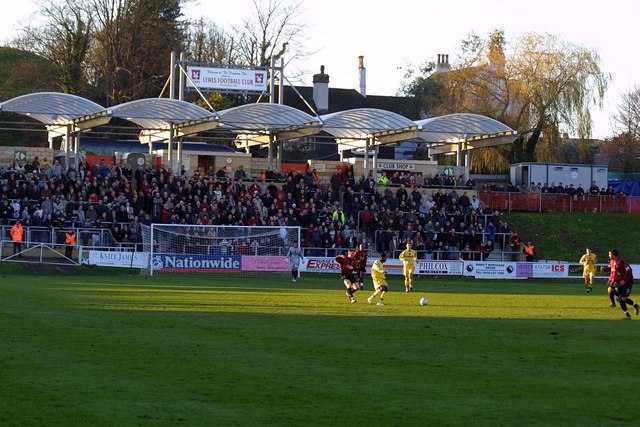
(294, 256)
(379, 277)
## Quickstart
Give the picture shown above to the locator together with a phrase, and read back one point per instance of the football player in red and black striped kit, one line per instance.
(360, 260)
(622, 282)
(347, 269)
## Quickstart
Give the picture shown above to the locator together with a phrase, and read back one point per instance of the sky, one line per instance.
(393, 36)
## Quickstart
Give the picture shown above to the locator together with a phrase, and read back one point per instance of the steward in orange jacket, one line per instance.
(17, 233)
(70, 242)
(529, 252)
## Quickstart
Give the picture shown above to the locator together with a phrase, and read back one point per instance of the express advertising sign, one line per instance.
(330, 265)
(320, 265)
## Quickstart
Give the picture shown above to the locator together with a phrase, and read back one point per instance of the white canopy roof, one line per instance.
(163, 119)
(63, 113)
(444, 133)
(359, 127)
(260, 123)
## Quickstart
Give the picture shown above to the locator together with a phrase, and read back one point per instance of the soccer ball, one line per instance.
(424, 301)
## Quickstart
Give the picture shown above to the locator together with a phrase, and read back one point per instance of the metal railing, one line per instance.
(53, 236)
(553, 202)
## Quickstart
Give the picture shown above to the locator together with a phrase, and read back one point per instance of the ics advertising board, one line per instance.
(227, 79)
(542, 270)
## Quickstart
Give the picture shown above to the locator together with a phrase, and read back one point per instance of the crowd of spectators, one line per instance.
(340, 213)
(568, 189)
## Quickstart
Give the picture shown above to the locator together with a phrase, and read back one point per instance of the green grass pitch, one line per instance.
(116, 350)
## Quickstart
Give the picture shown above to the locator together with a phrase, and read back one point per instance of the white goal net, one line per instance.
(226, 249)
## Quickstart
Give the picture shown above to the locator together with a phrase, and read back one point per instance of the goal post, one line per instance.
(219, 249)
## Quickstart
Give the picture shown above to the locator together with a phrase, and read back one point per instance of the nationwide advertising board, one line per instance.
(168, 262)
(196, 263)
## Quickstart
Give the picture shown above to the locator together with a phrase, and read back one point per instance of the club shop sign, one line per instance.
(396, 166)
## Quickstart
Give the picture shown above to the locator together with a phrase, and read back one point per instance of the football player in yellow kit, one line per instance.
(408, 257)
(588, 261)
(379, 277)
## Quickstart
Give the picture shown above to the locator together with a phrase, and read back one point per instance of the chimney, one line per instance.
(321, 91)
(362, 76)
(442, 66)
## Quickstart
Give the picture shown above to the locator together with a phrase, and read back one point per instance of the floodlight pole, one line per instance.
(366, 156)
(272, 82)
(172, 76)
(67, 133)
(467, 162)
(179, 155)
(281, 86)
(76, 151)
(375, 162)
(181, 79)
(271, 151)
(170, 148)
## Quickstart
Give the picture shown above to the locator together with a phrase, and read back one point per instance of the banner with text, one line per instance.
(266, 264)
(117, 259)
(439, 268)
(490, 270)
(392, 266)
(227, 78)
(196, 263)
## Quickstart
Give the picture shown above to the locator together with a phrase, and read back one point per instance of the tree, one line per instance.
(555, 83)
(627, 118)
(64, 40)
(622, 152)
(274, 30)
(541, 86)
(206, 42)
(133, 44)
(427, 89)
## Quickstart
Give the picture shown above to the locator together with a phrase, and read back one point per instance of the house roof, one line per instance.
(347, 99)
